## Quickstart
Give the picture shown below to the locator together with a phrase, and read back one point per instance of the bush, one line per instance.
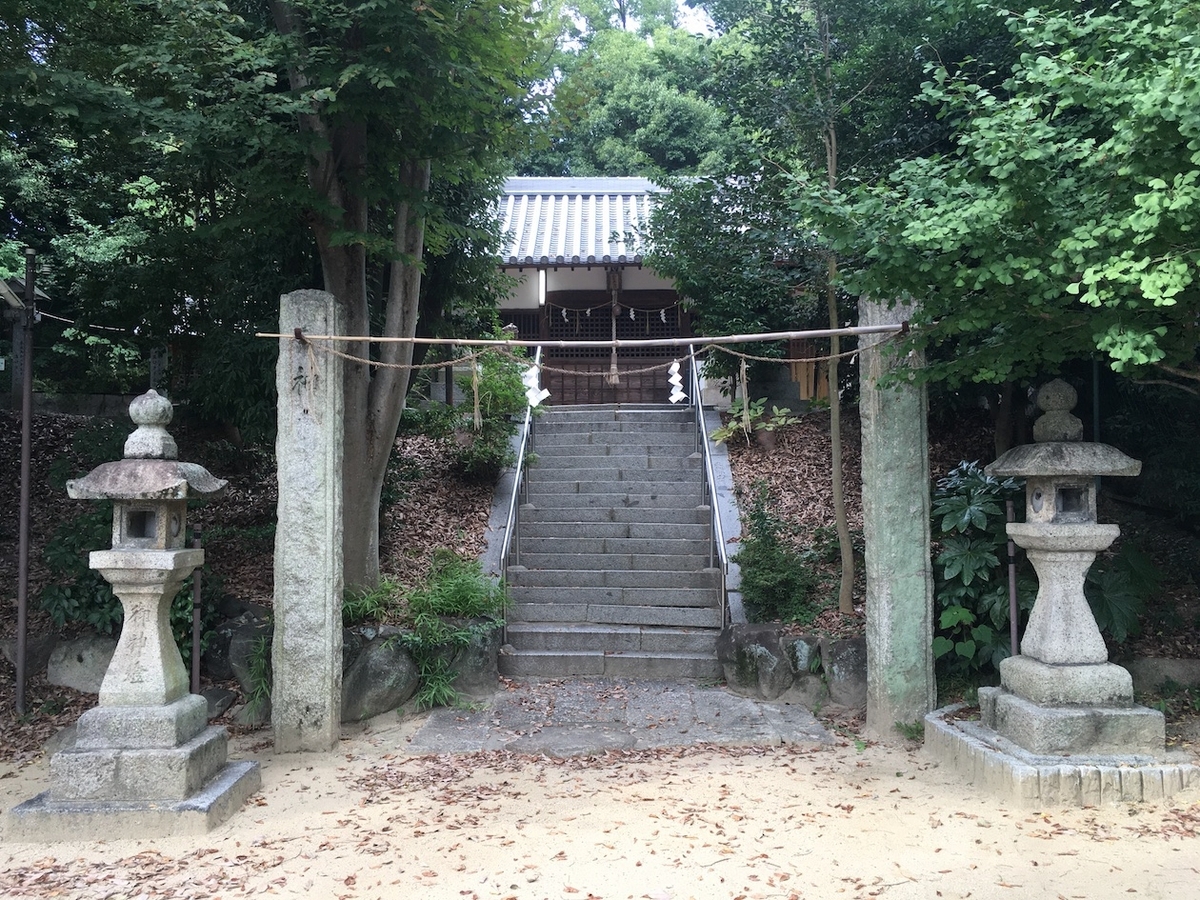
(484, 452)
(971, 581)
(778, 582)
(455, 605)
(1117, 589)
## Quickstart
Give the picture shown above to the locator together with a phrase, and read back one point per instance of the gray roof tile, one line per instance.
(574, 221)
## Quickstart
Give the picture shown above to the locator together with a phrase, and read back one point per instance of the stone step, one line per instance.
(598, 442)
(647, 666)
(615, 614)
(680, 497)
(615, 489)
(661, 430)
(619, 562)
(650, 515)
(598, 413)
(606, 547)
(643, 531)
(610, 638)
(572, 447)
(552, 477)
(563, 467)
(520, 576)
(612, 595)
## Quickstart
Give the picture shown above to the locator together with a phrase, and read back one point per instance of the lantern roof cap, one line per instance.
(1057, 459)
(146, 479)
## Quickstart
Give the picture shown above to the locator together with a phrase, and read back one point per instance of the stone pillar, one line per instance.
(306, 654)
(895, 489)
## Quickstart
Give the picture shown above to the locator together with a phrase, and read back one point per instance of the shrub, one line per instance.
(1117, 589)
(483, 453)
(971, 582)
(778, 582)
(456, 605)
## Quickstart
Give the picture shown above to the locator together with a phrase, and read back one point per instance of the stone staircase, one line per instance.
(613, 575)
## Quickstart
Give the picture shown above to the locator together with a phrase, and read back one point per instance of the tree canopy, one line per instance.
(631, 95)
(208, 156)
(1063, 221)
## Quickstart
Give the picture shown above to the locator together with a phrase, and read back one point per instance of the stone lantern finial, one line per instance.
(1056, 399)
(151, 413)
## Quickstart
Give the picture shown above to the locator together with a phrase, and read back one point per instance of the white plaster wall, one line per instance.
(582, 278)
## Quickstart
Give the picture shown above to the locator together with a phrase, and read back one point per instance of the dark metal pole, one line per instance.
(26, 455)
(196, 615)
(1013, 611)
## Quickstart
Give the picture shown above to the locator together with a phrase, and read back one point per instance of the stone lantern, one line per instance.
(145, 761)
(1062, 728)
(1063, 659)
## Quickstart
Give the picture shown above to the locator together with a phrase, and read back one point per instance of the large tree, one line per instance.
(626, 103)
(1063, 222)
(299, 137)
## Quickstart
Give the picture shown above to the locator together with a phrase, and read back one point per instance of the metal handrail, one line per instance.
(510, 552)
(717, 556)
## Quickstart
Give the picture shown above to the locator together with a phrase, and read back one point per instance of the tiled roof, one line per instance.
(574, 221)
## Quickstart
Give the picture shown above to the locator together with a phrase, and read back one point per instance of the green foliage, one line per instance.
(260, 675)
(971, 582)
(759, 418)
(626, 104)
(734, 250)
(482, 454)
(778, 582)
(79, 595)
(436, 420)
(379, 604)
(1117, 589)
(99, 364)
(455, 606)
(1063, 222)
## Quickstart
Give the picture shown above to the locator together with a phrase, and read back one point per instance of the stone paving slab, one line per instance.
(581, 717)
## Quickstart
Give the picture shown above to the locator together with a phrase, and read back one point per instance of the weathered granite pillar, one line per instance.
(895, 490)
(306, 653)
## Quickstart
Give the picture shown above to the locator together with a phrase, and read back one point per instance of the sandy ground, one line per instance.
(368, 821)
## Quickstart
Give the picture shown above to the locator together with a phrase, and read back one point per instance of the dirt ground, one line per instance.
(854, 821)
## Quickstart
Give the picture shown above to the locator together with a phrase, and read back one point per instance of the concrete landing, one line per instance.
(44, 820)
(1005, 770)
(578, 718)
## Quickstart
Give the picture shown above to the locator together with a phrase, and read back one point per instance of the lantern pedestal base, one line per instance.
(138, 772)
(1102, 684)
(1125, 730)
(1048, 781)
(44, 819)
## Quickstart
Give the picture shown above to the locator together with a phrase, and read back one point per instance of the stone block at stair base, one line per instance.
(845, 665)
(1065, 729)
(1085, 685)
(44, 819)
(754, 661)
(1045, 781)
(142, 727)
(138, 775)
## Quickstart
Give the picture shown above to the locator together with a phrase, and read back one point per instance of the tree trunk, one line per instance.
(829, 136)
(1008, 413)
(846, 587)
(374, 397)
